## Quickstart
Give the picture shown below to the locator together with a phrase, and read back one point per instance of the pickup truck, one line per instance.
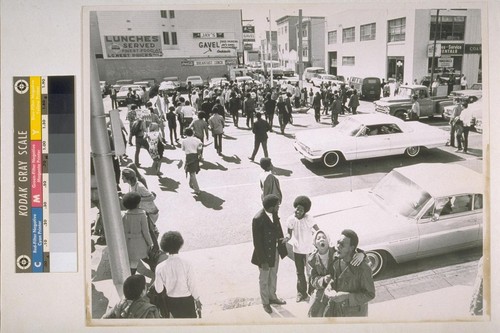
(400, 105)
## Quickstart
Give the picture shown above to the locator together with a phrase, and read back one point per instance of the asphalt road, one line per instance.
(222, 213)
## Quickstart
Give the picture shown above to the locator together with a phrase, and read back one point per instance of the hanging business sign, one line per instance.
(208, 35)
(133, 46)
(445, 62)
(248, 33)
(248, 47)
(452, 49)
(430, 49)
(209, 62)
(472, 49)
(225, 47)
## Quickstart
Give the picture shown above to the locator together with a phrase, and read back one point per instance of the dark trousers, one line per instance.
(335, 118)
(218, 142)
(300, 264)
(317, 115)
(463, 138)
(452, 135)
(236, 118)
(297, 101)
(181, 307)
(354, 108)
(257, 144)
(270, 119)
(140, 142)
(250, 119)
(173, 132)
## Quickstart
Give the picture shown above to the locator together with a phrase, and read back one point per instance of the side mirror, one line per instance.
(435, 217)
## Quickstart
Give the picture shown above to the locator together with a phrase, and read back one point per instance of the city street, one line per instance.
(219, 219)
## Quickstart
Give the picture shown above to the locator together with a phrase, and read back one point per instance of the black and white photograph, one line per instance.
(249, 166)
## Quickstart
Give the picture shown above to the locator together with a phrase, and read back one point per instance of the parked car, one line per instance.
(196, 81)
(121, 95)
(413, 212)
(218, 82)
(288, 72)
(174, 80)
(248, 80)
(367, 136)
(168, 87)
(150, 81)
(144, 84)
(368, 87)
(476, 86)
(400, 105)
(470, 95)
(120, 83)
(318, 79)
(309, 72)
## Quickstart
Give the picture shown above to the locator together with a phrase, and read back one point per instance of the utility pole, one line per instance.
(434, 51)
(299, 50)
(269, 49)
(106, 185)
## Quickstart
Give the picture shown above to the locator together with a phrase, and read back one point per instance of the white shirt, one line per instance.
(466, 117)
(302, 234)
(177, 276)
(188, 111)
(190, 145)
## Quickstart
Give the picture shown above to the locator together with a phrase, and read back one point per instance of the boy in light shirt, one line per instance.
(300, 235)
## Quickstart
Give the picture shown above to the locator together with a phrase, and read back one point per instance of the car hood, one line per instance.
(321, 138)
(393, 99)
(358, 211)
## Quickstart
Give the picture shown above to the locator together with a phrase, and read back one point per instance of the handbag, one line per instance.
(159, 299)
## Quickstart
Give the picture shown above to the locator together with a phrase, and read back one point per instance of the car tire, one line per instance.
(378, 261)
(412, 151)
(401, 115)
(331, 159)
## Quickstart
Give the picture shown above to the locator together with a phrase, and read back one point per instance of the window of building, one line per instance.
(348, 35)
(163, 13)
(448, 27)
(174, 38)
(348, 61)
(332, 37)
(286, 46)
(166, 38)
(304, 32)
(171, 13)
(367, 32)
(304, 52)
(397, 30)
(286, 28)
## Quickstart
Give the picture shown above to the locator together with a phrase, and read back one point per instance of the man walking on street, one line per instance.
(192, 147)
(269, 183)
(260, 129)
(249, 110)
(336, 110)
(200, 128)
(354, 101)
(268, 248)
(216, 124)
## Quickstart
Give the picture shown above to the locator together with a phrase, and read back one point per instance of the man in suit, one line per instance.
(269, 246)
(260, 129)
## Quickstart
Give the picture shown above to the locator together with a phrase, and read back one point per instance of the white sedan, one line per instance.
(121, 95)
(218, 82)
(196, 81)
(318, 79)
(413, 212)
(367, 136)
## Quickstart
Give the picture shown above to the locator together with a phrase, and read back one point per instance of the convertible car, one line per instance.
(366, 136)
(413, 212)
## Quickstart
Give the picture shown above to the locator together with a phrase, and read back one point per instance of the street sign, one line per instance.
(208, 35)
(248, 33)
(445, 62)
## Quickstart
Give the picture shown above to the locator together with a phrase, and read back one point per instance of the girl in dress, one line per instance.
(155, 140)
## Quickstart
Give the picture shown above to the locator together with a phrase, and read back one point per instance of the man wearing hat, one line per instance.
(457, 110)
(269, 246)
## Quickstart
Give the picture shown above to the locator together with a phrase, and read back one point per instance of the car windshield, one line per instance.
(348, 127)
(400, 194)
(194, 78)
(405, 92)
(329, 77)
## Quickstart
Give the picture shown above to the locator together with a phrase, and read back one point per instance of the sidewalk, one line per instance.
(229, 289)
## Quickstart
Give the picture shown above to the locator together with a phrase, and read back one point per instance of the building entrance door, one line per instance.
(332, 61)
(396, 67)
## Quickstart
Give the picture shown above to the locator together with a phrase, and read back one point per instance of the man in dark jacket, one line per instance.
(260, 129)
(269, 246)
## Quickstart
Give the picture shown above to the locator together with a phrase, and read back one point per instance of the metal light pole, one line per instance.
(269, 49)
(106, 185)
(434, 51)
(299, 50)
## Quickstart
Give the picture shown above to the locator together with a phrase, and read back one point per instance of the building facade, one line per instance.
(269, 46)
(398, 43)
(174, 43)
(312, 39)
